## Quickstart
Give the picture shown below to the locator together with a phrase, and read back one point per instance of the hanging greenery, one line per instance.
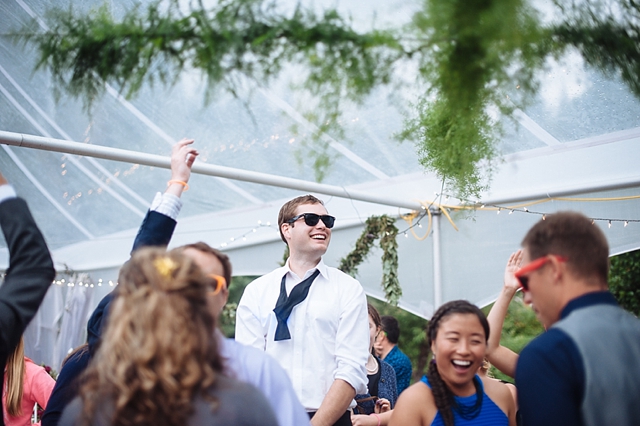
(476, 61)
(472, 56)
(381, 228)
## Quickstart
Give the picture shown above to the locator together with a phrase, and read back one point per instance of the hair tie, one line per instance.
(165, 266)
(377, 417)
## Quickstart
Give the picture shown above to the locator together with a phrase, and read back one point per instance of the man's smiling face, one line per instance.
(305, 239)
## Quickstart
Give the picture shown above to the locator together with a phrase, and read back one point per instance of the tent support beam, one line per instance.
(115, 154)
(437, 260)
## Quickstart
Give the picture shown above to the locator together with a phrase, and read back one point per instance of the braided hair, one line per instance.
(442, 395)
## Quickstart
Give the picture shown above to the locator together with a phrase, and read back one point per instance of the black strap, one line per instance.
(285, 304)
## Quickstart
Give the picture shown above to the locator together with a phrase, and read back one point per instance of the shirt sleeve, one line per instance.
(167, 204)
(41, 385)
(249, 330)
(389, 375)
(550, 381)
(275, 384)
(352, 342)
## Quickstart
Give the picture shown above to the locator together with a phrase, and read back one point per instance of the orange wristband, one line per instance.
(179, 182)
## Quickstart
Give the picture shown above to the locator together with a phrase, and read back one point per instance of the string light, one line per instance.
(244, 235)
(478, 205)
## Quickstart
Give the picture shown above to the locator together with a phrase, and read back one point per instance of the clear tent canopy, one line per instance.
(579, 140)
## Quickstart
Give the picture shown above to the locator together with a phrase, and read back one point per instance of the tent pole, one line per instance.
(437, 261)
(107, 153)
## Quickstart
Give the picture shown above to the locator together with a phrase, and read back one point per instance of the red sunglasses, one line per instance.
(522, 274)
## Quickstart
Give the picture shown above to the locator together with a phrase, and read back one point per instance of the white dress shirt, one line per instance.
(253, 366)
(329, 330)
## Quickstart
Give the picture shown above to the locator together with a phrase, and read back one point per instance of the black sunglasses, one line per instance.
(311, 219)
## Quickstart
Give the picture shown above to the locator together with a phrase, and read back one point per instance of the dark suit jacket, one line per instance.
(28, 278)
(156, 230)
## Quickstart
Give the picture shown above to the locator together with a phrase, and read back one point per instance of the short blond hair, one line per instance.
(288, 210)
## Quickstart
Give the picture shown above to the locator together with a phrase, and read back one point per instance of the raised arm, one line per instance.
(159, 223)
(30, 270)
(503, 358)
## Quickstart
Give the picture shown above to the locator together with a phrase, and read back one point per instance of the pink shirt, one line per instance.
(38, 385)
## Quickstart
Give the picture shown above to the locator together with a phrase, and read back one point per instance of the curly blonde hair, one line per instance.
(158, 350)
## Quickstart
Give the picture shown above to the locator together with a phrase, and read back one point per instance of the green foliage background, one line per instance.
(624, 280)
(472, 57)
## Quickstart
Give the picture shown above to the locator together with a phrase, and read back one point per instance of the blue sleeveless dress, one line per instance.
(490, 413)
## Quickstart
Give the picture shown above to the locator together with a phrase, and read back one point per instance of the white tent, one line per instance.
(580, 138)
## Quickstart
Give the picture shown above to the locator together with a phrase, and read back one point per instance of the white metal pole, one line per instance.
(437, 262)
(107, 153)
(604, 185)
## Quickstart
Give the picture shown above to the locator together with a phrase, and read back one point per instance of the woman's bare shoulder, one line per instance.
(499, 393)
(415, 406)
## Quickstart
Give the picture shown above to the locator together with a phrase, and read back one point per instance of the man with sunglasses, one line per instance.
(584, 370)
(310, 317)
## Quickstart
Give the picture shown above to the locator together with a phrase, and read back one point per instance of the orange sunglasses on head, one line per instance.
(219, 283)
(522, 273)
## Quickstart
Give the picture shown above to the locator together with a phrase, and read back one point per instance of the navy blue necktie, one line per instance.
(285, 304)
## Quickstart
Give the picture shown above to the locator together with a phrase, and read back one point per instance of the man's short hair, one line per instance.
(574, 236)
(288, 210)
(391, 328)
(223, 258)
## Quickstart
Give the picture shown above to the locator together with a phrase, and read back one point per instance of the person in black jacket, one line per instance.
(156, 231)
(29, 274)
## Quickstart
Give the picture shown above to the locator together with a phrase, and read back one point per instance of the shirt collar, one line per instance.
(321, 266)
(589, 299)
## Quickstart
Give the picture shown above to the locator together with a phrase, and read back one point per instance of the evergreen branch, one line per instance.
(473, 57)
(383, 228)
(606, 42)
(236, 36)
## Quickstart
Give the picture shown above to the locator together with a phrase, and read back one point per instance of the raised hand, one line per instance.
(513, 264)
(182, 157)
(382, 405)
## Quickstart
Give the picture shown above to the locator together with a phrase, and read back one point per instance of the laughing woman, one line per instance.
(452, 393)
